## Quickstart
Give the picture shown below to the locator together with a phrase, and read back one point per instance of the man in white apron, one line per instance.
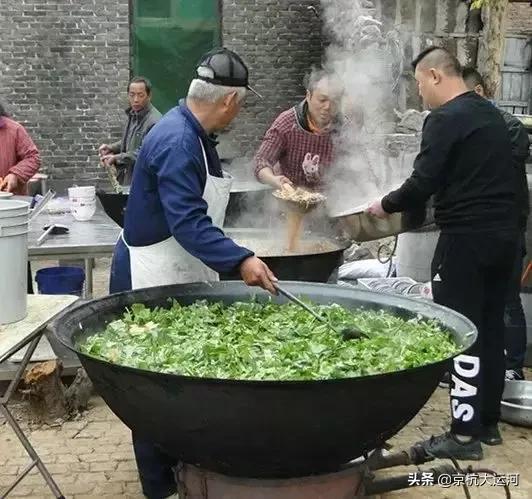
(175, 209)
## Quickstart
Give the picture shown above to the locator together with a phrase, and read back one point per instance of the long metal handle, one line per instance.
(45, 236)
(297, 301)
(44, 201)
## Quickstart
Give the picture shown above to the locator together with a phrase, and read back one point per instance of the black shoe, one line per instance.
(514, 375)
(490, 435)
(446, 445)
(446, 380)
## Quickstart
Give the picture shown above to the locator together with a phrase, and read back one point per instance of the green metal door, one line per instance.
(168, 37)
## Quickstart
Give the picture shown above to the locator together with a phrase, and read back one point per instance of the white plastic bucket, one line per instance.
(82, 202)
(13, 260)
(83, 192)
(414, 253)
(83, 210)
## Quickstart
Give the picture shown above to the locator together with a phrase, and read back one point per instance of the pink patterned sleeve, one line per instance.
(28, 157)
(271, 148)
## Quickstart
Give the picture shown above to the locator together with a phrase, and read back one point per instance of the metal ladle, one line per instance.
(348, 333)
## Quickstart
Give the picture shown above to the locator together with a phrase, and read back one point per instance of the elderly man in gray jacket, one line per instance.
(141, 116)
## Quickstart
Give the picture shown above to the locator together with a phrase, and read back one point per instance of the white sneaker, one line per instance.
(445, 382)
(514, 375)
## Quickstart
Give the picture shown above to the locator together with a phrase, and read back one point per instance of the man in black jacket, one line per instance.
(465, 162)
(515, 337)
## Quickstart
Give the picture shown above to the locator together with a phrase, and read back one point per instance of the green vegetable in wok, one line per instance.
(266, 341)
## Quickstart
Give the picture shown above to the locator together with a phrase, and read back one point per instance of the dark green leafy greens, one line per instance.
(267, 341)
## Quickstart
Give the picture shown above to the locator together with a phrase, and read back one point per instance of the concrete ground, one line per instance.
(92, 456)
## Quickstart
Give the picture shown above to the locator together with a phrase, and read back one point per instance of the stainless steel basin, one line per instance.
(516, 405)
(360, 226)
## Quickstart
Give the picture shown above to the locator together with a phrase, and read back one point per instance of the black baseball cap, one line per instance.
(222, 66)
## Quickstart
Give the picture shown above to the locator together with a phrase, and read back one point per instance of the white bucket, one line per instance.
(82, 202)
(414, 253)
(13, 260)
(83, 192)
(83, 210)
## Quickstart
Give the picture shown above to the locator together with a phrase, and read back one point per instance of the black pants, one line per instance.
(514, 316)
(470, 274)
(156, 469)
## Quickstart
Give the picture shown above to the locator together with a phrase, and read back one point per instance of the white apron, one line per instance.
(168, 262)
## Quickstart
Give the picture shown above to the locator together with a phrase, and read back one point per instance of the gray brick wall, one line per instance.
(279, 40)
(64, 67)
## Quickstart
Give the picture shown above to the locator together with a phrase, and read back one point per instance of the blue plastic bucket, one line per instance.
(60, 280)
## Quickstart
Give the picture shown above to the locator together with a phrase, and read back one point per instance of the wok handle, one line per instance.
(298, 302)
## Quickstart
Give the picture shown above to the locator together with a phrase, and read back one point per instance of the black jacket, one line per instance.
(465, 161)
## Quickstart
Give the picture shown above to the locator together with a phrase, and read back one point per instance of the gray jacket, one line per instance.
(137, 126)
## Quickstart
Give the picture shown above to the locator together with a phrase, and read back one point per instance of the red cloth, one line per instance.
(288, 143)
(18, 153)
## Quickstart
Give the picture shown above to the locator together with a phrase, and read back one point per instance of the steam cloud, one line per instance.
(370, 159)
(365, 63)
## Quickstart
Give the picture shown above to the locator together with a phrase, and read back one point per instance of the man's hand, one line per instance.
(255, 272)
(377, 210)
(104, 150)
(109, 159)
(9, 183)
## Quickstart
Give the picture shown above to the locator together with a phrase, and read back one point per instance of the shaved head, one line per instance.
(438, 58)
(438, 75)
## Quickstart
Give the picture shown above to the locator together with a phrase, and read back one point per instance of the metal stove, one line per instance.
(195, 483)
(356, 479)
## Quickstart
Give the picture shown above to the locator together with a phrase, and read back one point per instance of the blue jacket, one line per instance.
(165, 198)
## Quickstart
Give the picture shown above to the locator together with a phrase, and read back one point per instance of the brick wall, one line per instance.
(279, 40)
(64, 66)
(64, 71)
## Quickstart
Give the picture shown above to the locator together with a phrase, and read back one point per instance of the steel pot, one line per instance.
(516, 405)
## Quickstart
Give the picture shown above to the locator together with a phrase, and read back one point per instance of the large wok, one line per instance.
(260, 428)
(114, 205)
(244, 193)
(315, 262)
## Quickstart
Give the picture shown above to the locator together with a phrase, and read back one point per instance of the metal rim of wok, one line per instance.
(252, 428)
(357, 210)
(244, 235)
(393, 300)
(244, 186)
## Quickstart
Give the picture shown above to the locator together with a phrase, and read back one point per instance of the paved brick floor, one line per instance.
(92, 457)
